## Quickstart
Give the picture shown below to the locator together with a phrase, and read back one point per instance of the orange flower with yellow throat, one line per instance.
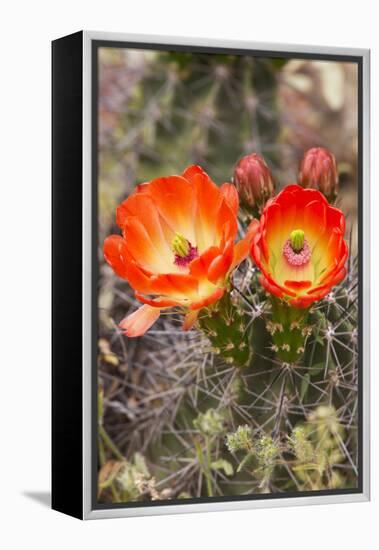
(177, 247)
(299, 246)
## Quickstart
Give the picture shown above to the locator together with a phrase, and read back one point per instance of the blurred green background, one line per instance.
(161, 111)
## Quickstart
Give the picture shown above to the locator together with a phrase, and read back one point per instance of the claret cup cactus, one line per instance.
(265, 292)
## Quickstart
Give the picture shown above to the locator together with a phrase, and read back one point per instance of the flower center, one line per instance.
(296, 249)
(297, 237)
(183, 250)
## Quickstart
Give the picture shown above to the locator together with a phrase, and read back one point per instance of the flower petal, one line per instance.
(156, 302)
(116, 254)
(190, 319)
(213, 213)
(137, 323)
(143, 250)
(208, 300)
(220, 265)
(230, 194)
(174, 198)
(298, 285)
(199, 266)
(118, 257)
(241, 249)
(141, 206)
(175, 285)
(272, 288)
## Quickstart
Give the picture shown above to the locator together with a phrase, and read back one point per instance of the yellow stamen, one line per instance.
(297, 240)
(180, 245)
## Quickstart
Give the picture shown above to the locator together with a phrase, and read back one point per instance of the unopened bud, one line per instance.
(254, 183)
(318, 170)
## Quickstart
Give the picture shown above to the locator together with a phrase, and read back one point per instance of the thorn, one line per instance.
(329, 333)
(331, 298)
(334, 379)
(307, 330)
(274, 327)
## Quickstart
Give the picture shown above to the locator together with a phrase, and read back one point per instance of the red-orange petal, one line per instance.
(142, 207)
(220, 265)
(270, 287)
(199, 266)
(191, 171)
(190, 319)
(216, 295)
(230, 194)
(138, 322)
(216, 208)
(156, 302)
(241, 249)
(118, 257)
(177, 285)
(301, 302)
(175, 199)
(142, 248)
(213, 215)
(298, 285)
(116, 254)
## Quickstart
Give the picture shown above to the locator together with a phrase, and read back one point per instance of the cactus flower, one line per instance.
(177, 247)
(254, 183)
(299, 246)
(318, 170)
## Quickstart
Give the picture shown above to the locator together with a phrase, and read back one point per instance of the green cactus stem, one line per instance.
(227, 328)
(289, 329)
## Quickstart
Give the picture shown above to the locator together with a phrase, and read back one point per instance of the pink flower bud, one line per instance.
(254, 183)
(318, 170)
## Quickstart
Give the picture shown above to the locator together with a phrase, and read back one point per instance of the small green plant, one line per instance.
(211, 426)
(318, 448)
(260, 454)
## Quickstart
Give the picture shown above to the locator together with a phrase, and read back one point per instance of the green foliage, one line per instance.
(317, 447)
(260, 454)
(211, 423)
(240, 440)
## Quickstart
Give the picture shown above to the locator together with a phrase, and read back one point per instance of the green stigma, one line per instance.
(297, 240)
(180, 245)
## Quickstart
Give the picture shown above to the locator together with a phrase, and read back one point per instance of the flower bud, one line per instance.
(318, 170)
(254, 183)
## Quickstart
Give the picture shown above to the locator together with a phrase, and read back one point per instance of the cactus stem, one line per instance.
(289, 330)
(228, 330)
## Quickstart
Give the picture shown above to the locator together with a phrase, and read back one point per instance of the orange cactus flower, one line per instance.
(299, 246)
(177, 246)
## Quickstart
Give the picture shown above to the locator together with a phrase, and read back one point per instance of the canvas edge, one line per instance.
(88, 512)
